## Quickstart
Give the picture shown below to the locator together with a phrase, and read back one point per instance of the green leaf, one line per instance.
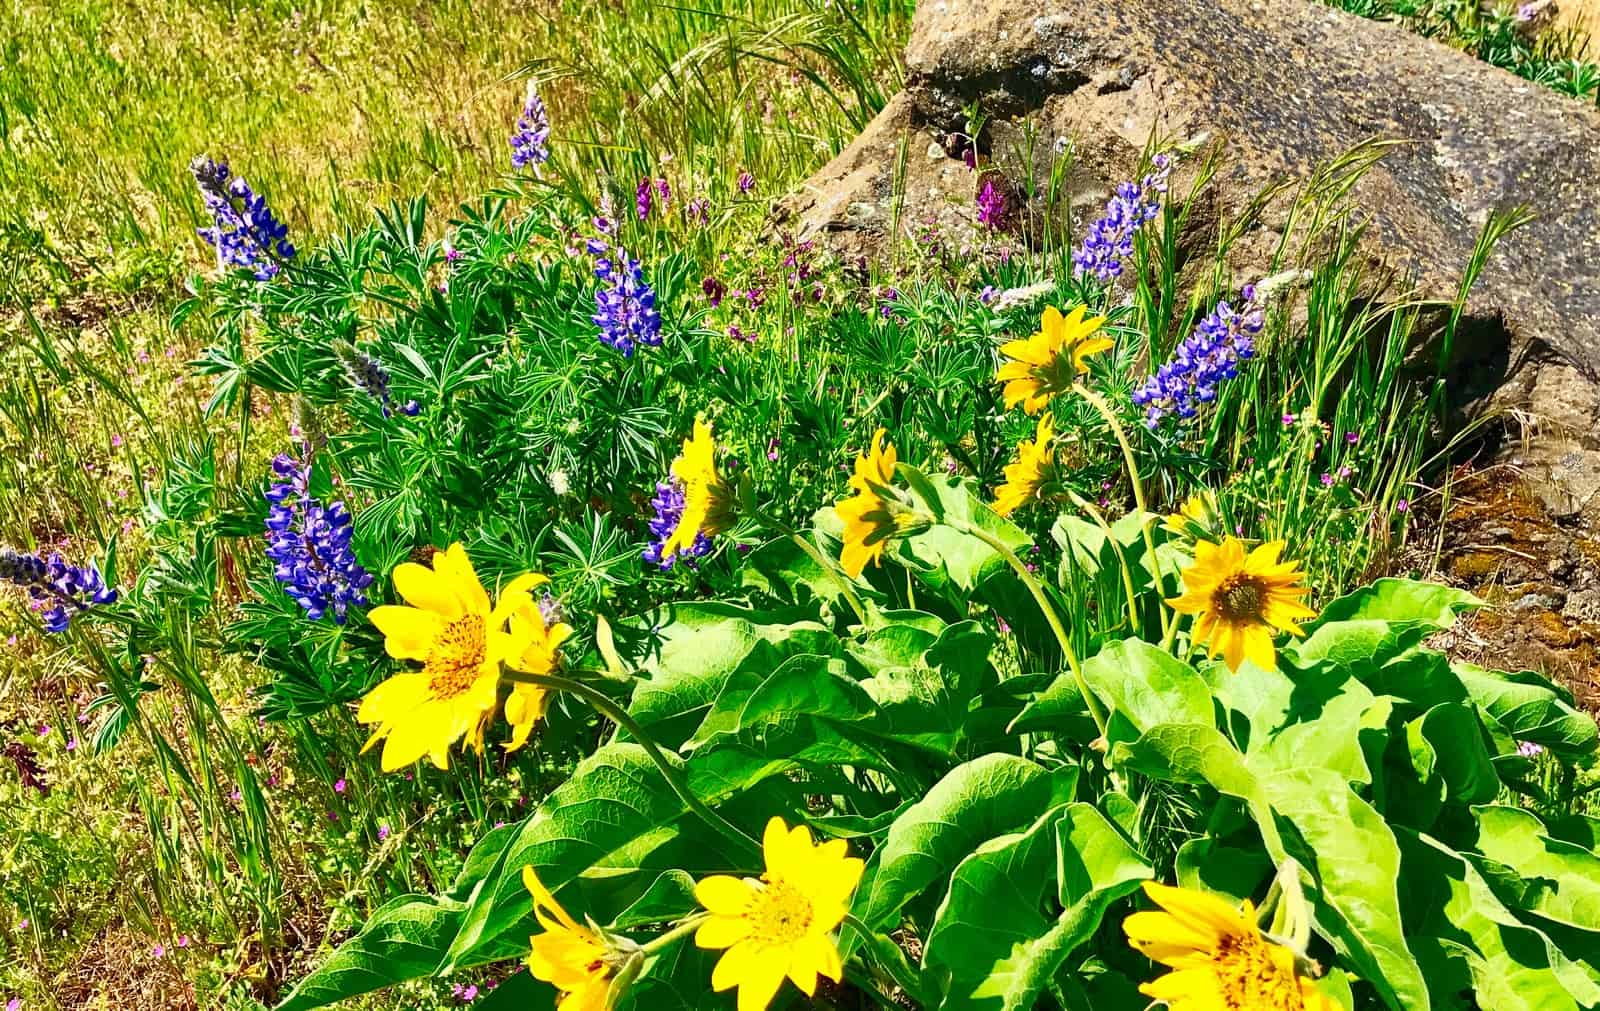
(1141, 682)
(403, 939)
(1530, 708)
(989, 935)
(974, 802)
(1404, 602)
(696, 648)
(926, 701)
(519, 993)
(1459, 753)
(1297, 719)
(669, 897)
(1556, 880)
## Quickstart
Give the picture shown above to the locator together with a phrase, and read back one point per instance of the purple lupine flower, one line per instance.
(68, 590)
(993, 205)
(642, 198)
(663, 191)
(551, 611)
(1110, 240)
(747, 182)
(625, 305)
(668, 504)
(310, 543)
(243, 230)
(1207, 357)
(530, 140)
(365, 372)
(698, 211)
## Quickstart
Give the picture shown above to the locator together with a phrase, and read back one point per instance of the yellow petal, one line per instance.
(722, 932)
(423, 588)
(724, 895)
(735, 965)
(408, 634)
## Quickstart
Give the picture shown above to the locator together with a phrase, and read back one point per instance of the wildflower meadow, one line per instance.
(465, 545)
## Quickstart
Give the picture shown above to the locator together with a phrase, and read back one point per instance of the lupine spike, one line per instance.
(1206, 358)
(311, 545)
(243, 231)
(1110, 240)
(69, 589)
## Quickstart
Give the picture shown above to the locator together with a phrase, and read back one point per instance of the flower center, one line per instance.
(458, 653)
(1239, 599)
(1251, 979)
(779, 915)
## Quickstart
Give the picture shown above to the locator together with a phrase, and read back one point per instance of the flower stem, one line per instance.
(687, 926)
(1037, 589)
(1095, 401)
(609, 709)
(894, 968)
(830, 567)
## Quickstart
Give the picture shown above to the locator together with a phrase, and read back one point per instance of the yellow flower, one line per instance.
(461, 641)
(1240, 599)
(781, 925)
(1048, 362)
(708, 500)
(873, 516)
(1219, 958)
(541, 654)
(569, 956)
(1199, 509)
(1034, 469)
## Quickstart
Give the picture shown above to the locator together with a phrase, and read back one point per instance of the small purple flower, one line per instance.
(642, 198)
(668, 504)
(1327, 480)
(1352, 437)
(714, 290)
(698, 211)
(988, 294)
(747, 182)
(383, 832)
(1209, 356)
(530, 140)
(68, 590)
(1528, 749)
(411, 409)
(1110, 239)
(340, 785)
(243, 231)
(663, 191)
(993, 205)
(625, 305)
(1401, 506)
(1288, 419)
(310, 544)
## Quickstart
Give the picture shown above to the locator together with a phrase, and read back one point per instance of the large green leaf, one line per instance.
(984, 798)
(1336, 834)
(990, 936)
(1292, 719)
(1558, 880)
(1142, 683)
(1530, 708)
(689, 651)
(926, 701)
(614, 797)
(403, 939)
(1433, 606)
(1507, 963)
(1454, 740)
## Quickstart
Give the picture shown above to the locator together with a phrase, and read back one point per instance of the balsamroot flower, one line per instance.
(69, 589)
(310, 545)
(877, 513)
(530, 140)
(1110, 239)
(781, 925)
(709, 502)
(461, 640)
(1052, 359)
(1198, 512)
(243, 230)
(571, 957)
(1219, 956)
(1241, 599)
(1033, 471)
(542, 631)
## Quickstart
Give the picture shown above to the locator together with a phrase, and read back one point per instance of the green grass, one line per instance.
(180, 814)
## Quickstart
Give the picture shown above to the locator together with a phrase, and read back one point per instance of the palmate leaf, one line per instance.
(991, 938)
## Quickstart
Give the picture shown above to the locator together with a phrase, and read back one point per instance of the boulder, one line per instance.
(1283, 87)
